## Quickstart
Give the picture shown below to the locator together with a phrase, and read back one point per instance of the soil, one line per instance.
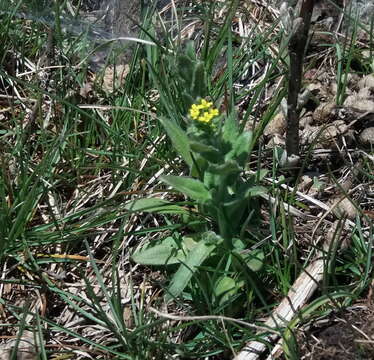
(348, 335)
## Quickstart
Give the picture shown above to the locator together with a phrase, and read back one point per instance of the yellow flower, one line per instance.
(194, 111)
(203, 112)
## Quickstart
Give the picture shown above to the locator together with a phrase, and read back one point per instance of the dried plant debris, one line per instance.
(348, 335)
(20, 348)
(329, 126)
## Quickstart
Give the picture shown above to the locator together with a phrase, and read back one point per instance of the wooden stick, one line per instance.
(297, 297)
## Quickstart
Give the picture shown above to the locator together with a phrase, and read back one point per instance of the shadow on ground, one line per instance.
(348, 335)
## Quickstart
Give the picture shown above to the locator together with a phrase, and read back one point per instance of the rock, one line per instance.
(366, 82)
(114, 77)
(362, 100)
(364, 9)
(352, 79)
(306, 121)
(276, 140)
(359, 101)
(332, 132)
(367, 136)
(346, 208)
(323, 112)
(307, 135)
(277, 125)
(305, 183)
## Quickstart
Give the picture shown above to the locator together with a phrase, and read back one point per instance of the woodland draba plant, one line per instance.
(216, 153)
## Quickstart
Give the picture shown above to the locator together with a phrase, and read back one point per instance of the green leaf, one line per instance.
(210, 237)
(260, 175)
(199, 166)
(243, 143)
(224, 285)
(188, 100)
(185, 68)
(154, 205)
(228, 168)
(242, 196)
(245, 192)
(193, 188)
(241, 148)
(190, 50)
(239, 244)
(168, 252)
(230, 130)
(255, 191)
(209, 152)
(194, 259)
(199, 81)
(179, 139)
(255, 259)
(202, 148)
(211, 181)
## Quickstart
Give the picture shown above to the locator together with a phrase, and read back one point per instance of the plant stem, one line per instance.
(296, 48)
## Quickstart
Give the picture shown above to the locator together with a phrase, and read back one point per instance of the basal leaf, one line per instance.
(168, 252)
(186, 270)
(224, 285)
(255, 259)
(154, 205)
(260, 175)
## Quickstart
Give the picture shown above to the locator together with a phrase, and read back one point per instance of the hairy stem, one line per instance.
(296, 49)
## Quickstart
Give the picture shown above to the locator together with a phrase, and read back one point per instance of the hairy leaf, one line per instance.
(154, 205)
(195, 189)
(179, 139)
(194, 259)
(168, 252)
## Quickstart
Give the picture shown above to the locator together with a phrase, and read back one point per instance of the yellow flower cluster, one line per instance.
(203, 112)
